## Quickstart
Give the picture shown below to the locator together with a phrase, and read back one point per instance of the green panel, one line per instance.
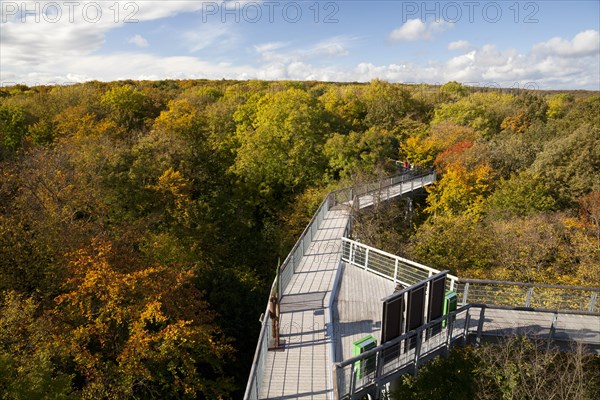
(364, 367)
(450, 304)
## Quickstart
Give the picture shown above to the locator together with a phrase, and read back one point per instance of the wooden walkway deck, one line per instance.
(302, 368)
(560, 327)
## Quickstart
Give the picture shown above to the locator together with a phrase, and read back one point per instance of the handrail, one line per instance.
(331, 200)
(407, 272)
(330, 319)
(370, 370)
(388, 265)
(529, 295)
(528, 284)
(351, 192)
(299, 247)
(358, 375)
(406, 335)
(368, 259)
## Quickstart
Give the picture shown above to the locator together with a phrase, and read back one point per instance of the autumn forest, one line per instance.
(141, 222)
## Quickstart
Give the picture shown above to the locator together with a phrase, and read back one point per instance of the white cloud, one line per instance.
(337, 46)
(459, 45)
(586, 43)
(78, 27)
(415, 29)
(138, 40)
(333, 48)
(271, 46)
(36, 53)
(208, 35)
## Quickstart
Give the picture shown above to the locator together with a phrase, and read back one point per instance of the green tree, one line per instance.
(521, 195)
(126, 105)
(442, 379)
(347, 107)
(572, 162)
(283, 149)
(389, 105)
(466, 113)
(13, 127)
(360, 151)
(456, 243)
(31, 363)
(454, 89)
(558, 105)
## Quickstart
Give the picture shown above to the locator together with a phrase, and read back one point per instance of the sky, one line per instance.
(519, 44)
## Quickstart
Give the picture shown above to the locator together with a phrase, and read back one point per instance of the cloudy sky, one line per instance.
(534, 44)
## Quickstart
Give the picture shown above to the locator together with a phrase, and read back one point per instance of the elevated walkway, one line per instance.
(330, 290)
(301, 368)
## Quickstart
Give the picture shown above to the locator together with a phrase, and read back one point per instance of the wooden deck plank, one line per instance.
(358, 308)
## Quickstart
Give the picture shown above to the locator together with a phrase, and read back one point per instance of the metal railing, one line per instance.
(529, 295)
(260, 357)
(370, 371)
(397, 269)
(501, 293)
(406, 352)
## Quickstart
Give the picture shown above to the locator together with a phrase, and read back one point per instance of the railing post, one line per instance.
(418, 338)
(552, 329)
(450, 318)
(352, 382)
(379, 361)
(336, 392)
(366, 259)
(593, 300)
(528, 297)
(467, 323)
(480, 325)
(465, 294)
(396, 271)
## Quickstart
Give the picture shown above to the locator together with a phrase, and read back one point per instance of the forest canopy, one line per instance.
(141, 221)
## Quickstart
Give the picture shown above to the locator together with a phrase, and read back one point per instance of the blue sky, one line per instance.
(544, 44)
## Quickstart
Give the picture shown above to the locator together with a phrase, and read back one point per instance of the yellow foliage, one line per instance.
(461, 191)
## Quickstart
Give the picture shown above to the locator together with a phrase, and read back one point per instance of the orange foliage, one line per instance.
(452, 154)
